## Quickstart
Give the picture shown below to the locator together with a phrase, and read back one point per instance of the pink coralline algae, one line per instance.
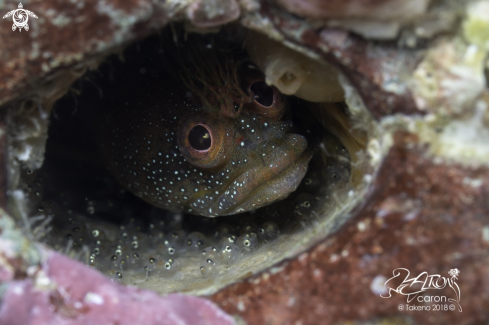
(64, 291)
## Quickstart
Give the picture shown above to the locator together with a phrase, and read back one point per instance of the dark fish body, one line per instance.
(207, 149)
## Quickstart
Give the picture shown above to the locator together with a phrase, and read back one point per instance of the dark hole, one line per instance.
(199, 138)
(263, 93)
(29, 105)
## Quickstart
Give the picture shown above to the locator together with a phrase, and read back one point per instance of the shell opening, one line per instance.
(61, 196)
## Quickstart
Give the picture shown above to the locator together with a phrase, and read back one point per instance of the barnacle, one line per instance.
(64, 198)
(294, 73)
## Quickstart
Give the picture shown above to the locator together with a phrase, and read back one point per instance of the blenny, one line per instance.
(213, 140)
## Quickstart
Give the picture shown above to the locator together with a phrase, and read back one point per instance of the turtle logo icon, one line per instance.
(20, 16)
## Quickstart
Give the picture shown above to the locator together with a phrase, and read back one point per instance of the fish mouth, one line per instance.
(279, 175)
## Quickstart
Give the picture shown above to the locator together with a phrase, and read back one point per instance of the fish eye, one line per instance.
(267, 100)
(200, 138)
(262, 93)
(204, 141)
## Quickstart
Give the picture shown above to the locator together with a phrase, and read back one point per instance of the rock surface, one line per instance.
(424, 213)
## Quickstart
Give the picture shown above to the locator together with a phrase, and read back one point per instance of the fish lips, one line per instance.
(270, 180)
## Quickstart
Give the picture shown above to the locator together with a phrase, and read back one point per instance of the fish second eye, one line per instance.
(263, 93)
(200, 138)
(267, 100)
